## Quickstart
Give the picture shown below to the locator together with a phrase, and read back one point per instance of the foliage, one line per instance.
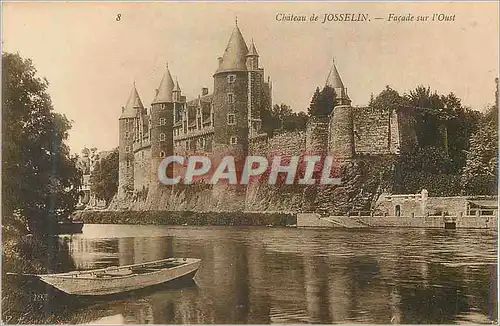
(388, 99)
(281, 117)
(443, 128)
(322, 102)
(40, 179)
(104, 177)
(480, 173)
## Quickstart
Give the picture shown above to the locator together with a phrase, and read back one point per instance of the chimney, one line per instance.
(220, 61)
(204, 91)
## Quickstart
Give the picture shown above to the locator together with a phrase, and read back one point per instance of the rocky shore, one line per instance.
(187, 218)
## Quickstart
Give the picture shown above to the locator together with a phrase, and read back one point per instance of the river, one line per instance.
(290, 275)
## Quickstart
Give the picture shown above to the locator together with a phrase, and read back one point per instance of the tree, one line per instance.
(41, 181)
(281, 117)
(443, 128)
(322, 102)
(286, 119)
(389, 99)
(480, 173)
(104, 177)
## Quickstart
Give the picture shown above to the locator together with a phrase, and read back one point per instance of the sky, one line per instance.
(91, 59)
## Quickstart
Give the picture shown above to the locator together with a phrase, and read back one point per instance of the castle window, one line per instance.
(231, 120)
(163, 106)
(233, 140)
(231, 78)
(199, 111)
(127, 149)
(163, 137)
(163, 121)
(230, 98)
(127, 135)
(128, 164)
(142, 155)
(162, 154)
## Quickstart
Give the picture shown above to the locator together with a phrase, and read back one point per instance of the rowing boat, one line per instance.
(117, 279)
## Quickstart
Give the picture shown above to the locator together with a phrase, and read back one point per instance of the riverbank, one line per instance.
(452, 222)
(24, 299)
(282, 219)
(187, 218)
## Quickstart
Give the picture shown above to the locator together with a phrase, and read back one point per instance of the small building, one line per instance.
(422, 205)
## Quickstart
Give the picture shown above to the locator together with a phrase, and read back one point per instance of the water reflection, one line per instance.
(272, 275)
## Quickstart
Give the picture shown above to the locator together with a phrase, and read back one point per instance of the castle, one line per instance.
(228, 122)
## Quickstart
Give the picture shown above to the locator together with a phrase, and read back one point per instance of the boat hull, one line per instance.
(87, 286)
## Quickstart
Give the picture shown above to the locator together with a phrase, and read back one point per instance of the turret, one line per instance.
(162, 110)
(230, 99)
(176, 92)
(341, 128)
(333, 80)
(127, 125)
(252, 58)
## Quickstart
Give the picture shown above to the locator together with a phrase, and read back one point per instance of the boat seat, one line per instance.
(114, 271)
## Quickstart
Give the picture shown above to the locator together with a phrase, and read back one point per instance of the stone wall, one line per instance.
(260, 196)
(186, 217)
(287, 143)
(465, 222)
(371, 131)
(406, 128)
(421, 205)
(317, 135)
(142, 169)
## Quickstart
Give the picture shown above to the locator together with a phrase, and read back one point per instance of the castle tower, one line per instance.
(341, 129)
(230, 99)
(162, 114)
(255, 90)
(127, 124)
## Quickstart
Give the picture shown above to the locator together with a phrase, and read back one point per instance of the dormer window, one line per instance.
(231, 119)
(230, 98)
(231, 79)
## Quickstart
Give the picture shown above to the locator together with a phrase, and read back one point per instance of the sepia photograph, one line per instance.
(249, 162)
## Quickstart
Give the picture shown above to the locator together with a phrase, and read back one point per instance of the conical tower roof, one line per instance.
(252, 51)
(333, 80)
(234, 58)
(133, 104)
(165, 89)
(176, 87)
